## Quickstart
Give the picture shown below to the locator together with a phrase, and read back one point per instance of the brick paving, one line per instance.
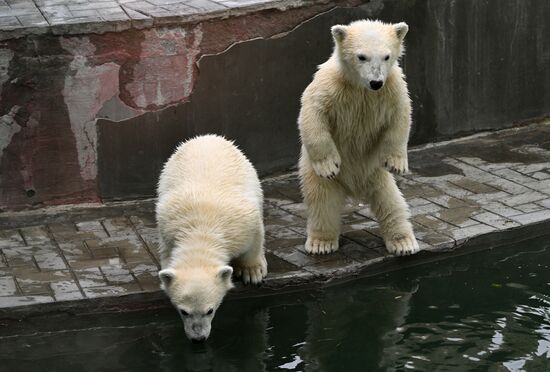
(22, 17)
(457, 191)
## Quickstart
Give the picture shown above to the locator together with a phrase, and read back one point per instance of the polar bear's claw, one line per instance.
(397, 164)
(253, 274)
(329, 167)
(402, 245)
(321, 246)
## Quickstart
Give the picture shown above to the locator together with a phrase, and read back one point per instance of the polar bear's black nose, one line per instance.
(376, 84)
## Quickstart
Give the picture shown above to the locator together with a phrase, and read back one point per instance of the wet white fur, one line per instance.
(209, 214)
(353, 136)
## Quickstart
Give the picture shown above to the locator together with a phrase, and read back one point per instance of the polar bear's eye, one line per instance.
(183, 312)
(386, 57)
(362, 57)
(209, 312)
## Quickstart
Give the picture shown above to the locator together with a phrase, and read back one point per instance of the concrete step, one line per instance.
(472, 193)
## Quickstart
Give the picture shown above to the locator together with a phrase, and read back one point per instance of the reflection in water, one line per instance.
(486, 311)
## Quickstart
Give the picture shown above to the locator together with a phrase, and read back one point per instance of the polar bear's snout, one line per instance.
(197, 329)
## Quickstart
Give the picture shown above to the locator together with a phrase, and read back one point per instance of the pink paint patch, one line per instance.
(164, 73)
(108, 87)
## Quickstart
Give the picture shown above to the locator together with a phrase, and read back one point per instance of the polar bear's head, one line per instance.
(367, 50)
(197, 293)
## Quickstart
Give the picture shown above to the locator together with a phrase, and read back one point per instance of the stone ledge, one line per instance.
(286, 282)
(19, 18)
(478, 192)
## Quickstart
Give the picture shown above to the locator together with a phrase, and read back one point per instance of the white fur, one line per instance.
(209, 214)
(352, 136)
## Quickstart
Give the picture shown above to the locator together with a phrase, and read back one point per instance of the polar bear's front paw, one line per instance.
(252, 274)
(402, 245)
(321, 246)
(397, 164)
(328, 167)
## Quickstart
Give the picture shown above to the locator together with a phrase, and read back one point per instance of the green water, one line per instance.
(487, 311)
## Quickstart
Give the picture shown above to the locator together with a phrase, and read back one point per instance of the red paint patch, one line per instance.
(157, 65)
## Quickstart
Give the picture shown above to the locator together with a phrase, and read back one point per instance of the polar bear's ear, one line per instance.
(338, 32)
(167, 277)
(225, 272)
(401, 30)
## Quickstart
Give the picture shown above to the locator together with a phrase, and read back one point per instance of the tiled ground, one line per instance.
(82, 16)
(456, 191)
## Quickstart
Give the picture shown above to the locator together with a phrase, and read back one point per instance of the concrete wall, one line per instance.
(91, 117)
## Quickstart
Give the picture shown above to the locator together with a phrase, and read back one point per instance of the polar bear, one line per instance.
(209, 214)
(354, 126)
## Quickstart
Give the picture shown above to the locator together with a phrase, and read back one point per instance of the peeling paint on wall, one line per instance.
(86, 89)
(116, 110)
(8, 127)
(65, 84)
(5, 58)
(164, 72)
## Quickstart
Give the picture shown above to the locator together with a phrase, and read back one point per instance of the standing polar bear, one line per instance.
(354, 125)
(209, 213)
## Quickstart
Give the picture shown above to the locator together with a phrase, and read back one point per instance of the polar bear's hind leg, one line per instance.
(324, 200)
(392, 212)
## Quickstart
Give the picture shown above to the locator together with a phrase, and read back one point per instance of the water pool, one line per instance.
(487, 311)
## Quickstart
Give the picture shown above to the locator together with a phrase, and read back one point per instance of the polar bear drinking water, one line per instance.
(209, 213)
(354, 125)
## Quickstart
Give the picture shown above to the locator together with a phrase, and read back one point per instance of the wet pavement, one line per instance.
(482, 186)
